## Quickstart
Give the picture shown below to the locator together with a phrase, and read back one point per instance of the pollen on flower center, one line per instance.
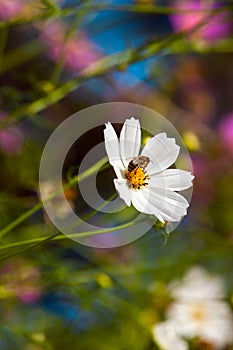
(137, 177)
(198, 313)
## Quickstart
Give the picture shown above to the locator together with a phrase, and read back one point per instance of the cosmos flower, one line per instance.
(198, 311)
(145, 181)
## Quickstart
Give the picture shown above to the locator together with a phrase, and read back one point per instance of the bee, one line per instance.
(138, 162)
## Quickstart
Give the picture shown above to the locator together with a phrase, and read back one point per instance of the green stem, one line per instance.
(75, 26)
(36, 241)
(53, 11)
(44, 102)
(55, 236)
(12, 245)
(167, 45)
(20, 55)
(145, 8)
(20, 219)
(107, 64)
(38, 206)
(154, 9)
(51, 7)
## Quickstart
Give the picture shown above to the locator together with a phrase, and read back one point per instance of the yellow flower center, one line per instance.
(137, 178)
(197, 312)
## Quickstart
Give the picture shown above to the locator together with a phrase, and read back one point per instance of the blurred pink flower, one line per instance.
(29, 294)
(76, 50)
(217, 26)
(11, 139)
(226, 132)
(20, 279)
(10, 9)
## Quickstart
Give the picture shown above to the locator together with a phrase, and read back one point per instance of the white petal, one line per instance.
(218, 329)
(172, 205)
(162, 151)
(123, 190)
(214, 327)
(166, 205)
(198, 284)
(172, 179)
(140, 200)
(112, 148)
(130, 140)
(167, 337)
(182, 315)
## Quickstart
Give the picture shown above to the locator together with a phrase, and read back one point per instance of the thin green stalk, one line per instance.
(20, 55)
(23, 21)
(155, 9)
(46, 239)
(50, 99)
(51, 7)
(50, 237)
(144, 8)
(167, 45)
(103, 66)
(38, 206)
(20, 219)
(55, 11)
(75, 26)
(55, 236)
(36, 241)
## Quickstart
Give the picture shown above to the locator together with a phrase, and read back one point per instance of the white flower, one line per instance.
(145, 181)
(199, 284)
(198, 310)
(166, 336)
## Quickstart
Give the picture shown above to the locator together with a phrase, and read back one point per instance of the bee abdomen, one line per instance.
(131, 166)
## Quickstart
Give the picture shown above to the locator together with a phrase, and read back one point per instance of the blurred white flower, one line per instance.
(166, 336)
(48, 189)
(198, 310)
(198, 284)
(145, 180)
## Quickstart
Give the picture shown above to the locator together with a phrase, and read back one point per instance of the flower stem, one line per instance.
(30, 243)
(58, 236)
(39, 205)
